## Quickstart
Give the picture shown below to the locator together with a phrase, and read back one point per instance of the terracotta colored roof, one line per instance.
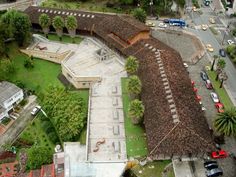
(191, 134)
(125, 27)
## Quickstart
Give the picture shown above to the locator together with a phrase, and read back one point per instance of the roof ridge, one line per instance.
(165, 137)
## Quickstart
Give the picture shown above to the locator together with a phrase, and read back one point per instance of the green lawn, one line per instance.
(153, 169)
(65, 39)
(224, 98)
(86, 5)
(136, 144)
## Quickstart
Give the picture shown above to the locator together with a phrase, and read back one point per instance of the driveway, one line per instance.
(19, 124)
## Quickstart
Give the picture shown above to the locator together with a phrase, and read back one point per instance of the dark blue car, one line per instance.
(222, 52)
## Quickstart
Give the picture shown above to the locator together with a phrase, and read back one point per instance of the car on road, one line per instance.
(212, 20)
(204, 27)
(214, 172)
(208, 84)
(150, 24)
(222, 52)
(211, 166)
(219, 107)
(209, 162)
(204, 76)
(162, 25)
(209, 48)
(194, 9)
(214, 97)
(166, 20)
(35, 111)
(219, 154)
(230, 42)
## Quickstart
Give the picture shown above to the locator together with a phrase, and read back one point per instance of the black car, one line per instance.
(204, 75)
(166, 20)
(209, 162)
(211, 166)
(214, 172)
(222, 53)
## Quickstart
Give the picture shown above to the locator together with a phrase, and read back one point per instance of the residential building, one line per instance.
(10, 96)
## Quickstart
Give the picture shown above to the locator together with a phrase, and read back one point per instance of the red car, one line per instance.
(193, 83)
(219, 154)
(208, 84)
(219, 107)
(198, 98)
(195, 89)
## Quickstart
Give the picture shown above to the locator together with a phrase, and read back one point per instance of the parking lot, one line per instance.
(227, 164)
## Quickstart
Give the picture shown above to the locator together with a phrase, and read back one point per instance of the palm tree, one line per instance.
(58, 24)
(134, 85)
(131, 65)
(223, 77)
(225, 123)
(136, 111)
(220, 66)
(213, 63)
(45, 23)
(71, 25)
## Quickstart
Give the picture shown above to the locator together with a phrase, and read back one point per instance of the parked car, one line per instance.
(204, 27)
(219, 154)
(219, 107)
(185, 65)
(194, 9)
(192, 83)
(211, 166)
(214, 97)
(162, 25)
(209, 162)
(198, 98)
(212, 20)
(35, 111)
(230, 42)
(194, 89)
(208, 84)
(222, 52)
(209, 48)
(204, 76)
(214, 172)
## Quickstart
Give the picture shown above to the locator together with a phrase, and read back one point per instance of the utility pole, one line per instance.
(151, 4)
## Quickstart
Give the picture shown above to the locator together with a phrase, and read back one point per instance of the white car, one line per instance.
(150, 24)
(162, 25)
(230, 42)
(214, 97)
(35, 110)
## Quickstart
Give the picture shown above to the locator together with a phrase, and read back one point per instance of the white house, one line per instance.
(10, 95)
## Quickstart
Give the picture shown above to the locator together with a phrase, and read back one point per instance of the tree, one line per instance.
(213, 63)
(225, 123)
(58, 24)
(28, 63)
(18, 26)
(38, 156)
(134, 85)
(66, 110)
(136, 111)
(131, 65)
(140, 14)
(223, 77)
(220, 66)
(7, 68)
(71, 25)
(45, 22)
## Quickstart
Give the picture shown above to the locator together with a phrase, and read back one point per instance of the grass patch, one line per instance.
(87, 6)
(213, 30)
(6, 121)
(65, 39)
(136, 145)
(224, 98)
(153, 169)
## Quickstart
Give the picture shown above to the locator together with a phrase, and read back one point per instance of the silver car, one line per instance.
(214, 97)
(214, 172)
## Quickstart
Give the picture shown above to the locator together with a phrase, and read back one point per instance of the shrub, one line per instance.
(53, 137)
(28, 63)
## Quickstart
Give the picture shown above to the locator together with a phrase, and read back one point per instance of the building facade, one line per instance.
(10, 96)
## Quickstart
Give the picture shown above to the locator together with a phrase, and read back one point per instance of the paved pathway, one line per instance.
(20, 123)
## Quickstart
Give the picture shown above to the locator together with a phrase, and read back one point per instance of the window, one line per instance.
(84, 83)
(69, 76)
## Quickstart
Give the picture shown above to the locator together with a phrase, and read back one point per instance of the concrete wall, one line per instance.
(78, 82)
(3, 114)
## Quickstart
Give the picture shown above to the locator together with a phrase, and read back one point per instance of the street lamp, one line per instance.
(151, 4)
(226, 30)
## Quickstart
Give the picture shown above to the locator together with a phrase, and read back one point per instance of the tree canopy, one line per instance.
(131, 65)
(45, 22)
(66, 111)
(136, 111)
(71, 23)
(140, 14)
(134, 85)
(38, 156)
(58, 23)
(225, 123)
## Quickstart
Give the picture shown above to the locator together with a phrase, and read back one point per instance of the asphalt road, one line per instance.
(208, 37)
(19, 125)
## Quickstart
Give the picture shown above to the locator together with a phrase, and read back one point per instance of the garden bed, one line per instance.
(6, 121)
